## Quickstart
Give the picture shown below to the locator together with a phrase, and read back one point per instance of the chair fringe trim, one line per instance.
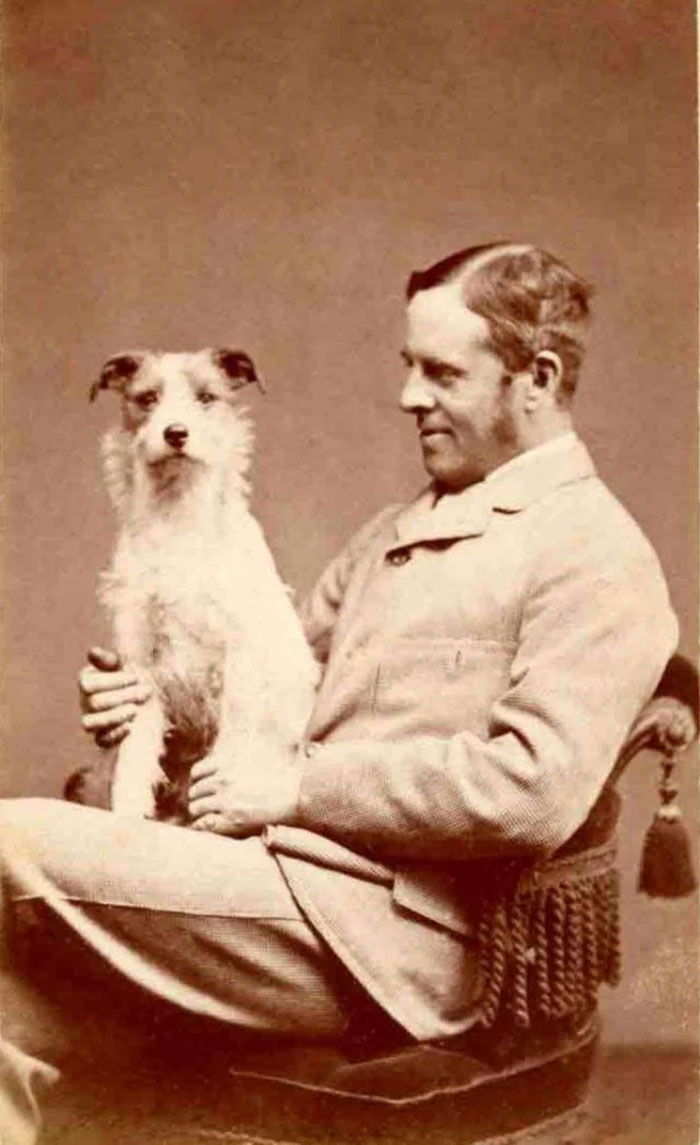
(549, 939)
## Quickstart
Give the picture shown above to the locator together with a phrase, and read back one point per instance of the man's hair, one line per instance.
(530, 300)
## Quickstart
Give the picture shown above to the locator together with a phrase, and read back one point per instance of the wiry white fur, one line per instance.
(196, 599)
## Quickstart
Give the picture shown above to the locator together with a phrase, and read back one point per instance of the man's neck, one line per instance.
(552, 444)
(562, 440)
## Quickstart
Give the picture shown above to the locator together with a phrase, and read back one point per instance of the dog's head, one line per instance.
(181, 410)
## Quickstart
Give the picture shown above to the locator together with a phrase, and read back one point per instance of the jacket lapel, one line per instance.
(454, 516)
(449, 517)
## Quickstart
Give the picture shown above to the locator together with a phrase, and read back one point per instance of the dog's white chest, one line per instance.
(167, 600)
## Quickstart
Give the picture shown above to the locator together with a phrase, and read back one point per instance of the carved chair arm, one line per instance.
(668, 724)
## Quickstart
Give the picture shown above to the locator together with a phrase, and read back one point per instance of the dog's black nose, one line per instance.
(176, 435)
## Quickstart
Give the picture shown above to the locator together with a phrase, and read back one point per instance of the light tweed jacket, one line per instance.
(485, 657)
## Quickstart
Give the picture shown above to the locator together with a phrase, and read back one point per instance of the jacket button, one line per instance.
(399, 557)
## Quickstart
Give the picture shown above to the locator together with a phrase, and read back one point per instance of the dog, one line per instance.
(196, 600)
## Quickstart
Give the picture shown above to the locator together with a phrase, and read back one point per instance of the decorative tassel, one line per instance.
(666, 869)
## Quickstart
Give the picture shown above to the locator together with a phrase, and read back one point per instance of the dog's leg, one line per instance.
(136, 769)
(238, 741)
(137, 772)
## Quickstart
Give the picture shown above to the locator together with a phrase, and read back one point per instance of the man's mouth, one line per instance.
(433, 431)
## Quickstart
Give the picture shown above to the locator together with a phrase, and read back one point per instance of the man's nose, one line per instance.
(176, 435)
(416, 393)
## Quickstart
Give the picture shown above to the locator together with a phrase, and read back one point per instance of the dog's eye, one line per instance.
(205, 398)
(147, 399)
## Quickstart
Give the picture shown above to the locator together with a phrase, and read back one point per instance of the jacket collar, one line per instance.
(509, 489)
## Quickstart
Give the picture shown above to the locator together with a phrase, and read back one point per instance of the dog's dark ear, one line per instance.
(115, 373)
(238, 368)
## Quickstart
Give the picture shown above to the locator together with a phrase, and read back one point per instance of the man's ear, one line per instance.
(115, 373)
(238, 368)
(546, 374)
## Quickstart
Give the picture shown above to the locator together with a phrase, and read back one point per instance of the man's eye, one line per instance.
(441, 377)
(205, 398)
(146, 400)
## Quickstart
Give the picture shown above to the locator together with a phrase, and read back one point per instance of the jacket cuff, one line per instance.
(321, 787)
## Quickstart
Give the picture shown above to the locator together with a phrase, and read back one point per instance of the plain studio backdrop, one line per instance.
(264, 174)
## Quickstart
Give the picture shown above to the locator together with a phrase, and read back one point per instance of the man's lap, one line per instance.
(201, 921)
(94, 856)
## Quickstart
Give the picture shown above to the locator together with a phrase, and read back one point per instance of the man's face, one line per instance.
(459, 391)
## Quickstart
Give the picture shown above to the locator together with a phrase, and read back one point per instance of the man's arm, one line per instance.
(319, 611)
(595, 638)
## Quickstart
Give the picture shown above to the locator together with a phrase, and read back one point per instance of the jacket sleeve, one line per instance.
(597, 631)
(319, 611)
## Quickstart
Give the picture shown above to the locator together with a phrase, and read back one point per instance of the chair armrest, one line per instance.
(668, 723)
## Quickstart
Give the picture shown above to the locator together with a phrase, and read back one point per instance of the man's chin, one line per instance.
(450, 478)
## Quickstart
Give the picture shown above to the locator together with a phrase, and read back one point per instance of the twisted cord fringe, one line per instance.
(547, 941)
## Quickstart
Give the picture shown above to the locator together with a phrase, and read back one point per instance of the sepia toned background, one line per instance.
(264, 174)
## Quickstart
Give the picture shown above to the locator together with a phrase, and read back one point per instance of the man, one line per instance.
(486, 649)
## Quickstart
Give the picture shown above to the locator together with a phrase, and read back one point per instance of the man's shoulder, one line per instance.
(375, 527)
(587, 520)
(379, 522)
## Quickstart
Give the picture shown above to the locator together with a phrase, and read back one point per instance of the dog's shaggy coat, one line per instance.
(196, 600)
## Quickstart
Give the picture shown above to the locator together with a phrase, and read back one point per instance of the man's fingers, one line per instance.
(203, 805)
(209, 822)
(219, 824)
(202, 768)
(92, 681)
(202, 788)
(135, 694)
(104, 659)
(112, 736)
(102, 721)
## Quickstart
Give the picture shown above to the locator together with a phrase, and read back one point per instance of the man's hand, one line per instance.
(241, 801)
(110, 697)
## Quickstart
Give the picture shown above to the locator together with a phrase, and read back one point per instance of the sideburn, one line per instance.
(504, 427)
